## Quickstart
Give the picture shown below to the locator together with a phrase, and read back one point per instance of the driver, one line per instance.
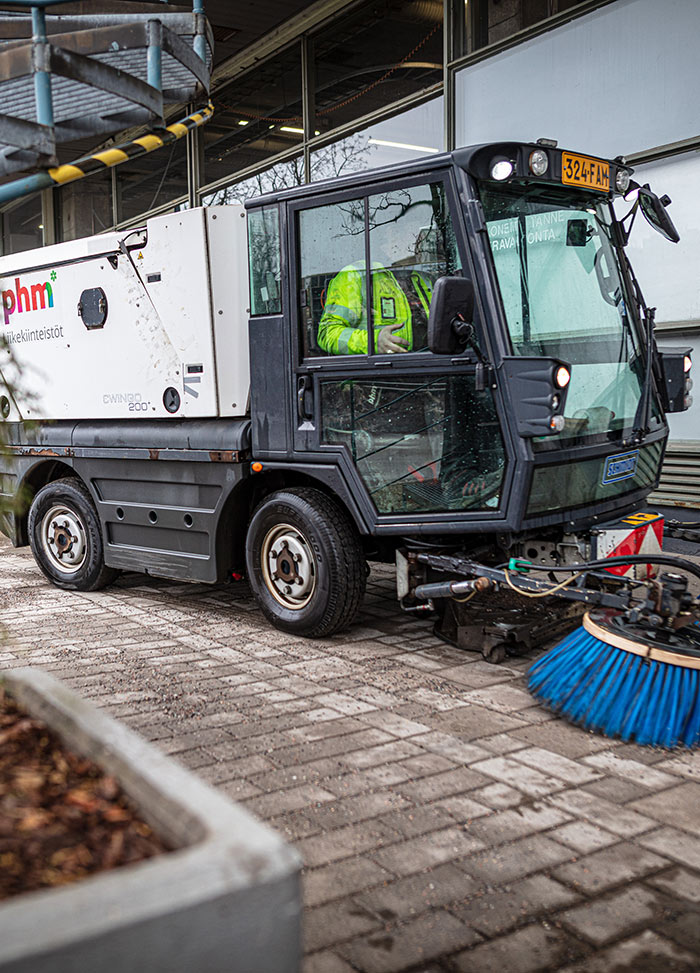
(400, 308)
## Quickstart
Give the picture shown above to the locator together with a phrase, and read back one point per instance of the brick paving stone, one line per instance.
(399, 947)
(616, 790)
(639, 773)
(343, 843)
(290, 800)
(509, 862)
(501, 743)
(518, 822)
(602, 870)
(336, 813)
(686, 765)
(435, 848)
(426, 764)
(681, 803)
(325, 962)
(472, 721)
(523, 778)
(370, 779)
(682, 847)
(561, 737)
(619, 820)
(646, 953)
(529, 949)
(554, 764)
(440, 886)
(505, 698)
(462, 808)
(411, 822)
(343, 879)
(393, 723)
(441, 785)
(452, 748)
(606, 919)
(332, 923)
(583, 837)
(680, 882)
(496, 912)
(498, 796)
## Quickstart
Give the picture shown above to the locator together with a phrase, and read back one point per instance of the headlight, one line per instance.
(622, 181)
(502, 170)
(539, 163)
(562, 377)
(557, 423)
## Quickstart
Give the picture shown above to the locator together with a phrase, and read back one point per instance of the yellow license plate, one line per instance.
(580, 170)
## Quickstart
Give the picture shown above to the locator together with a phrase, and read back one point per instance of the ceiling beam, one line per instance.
(290, 30)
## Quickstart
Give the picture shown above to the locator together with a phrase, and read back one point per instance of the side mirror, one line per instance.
(577, 233)
(656, 214)
(537, 388)
(677, 383)
(452, 301)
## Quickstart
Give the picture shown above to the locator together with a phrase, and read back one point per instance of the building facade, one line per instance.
(343, 86)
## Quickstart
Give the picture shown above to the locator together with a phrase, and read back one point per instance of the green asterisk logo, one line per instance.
(52, 275)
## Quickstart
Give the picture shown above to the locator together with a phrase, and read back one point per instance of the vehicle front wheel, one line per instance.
(305, 563)
(65, 537)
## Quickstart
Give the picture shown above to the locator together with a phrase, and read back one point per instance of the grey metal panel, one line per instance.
(269, 384)
(221, 435)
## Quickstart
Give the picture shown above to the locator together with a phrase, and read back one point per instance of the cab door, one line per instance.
(415, 434)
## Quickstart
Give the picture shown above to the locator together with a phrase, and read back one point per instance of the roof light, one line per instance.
(539, 163)
(687, 363)
(622, 181)
(502, 169)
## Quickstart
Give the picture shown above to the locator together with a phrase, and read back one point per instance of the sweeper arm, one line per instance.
(498, 625)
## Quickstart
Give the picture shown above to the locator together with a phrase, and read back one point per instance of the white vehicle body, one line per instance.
(174, 298)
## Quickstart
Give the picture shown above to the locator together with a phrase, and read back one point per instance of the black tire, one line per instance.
(65, 537)
(302, 537)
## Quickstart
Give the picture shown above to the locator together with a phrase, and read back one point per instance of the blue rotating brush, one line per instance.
(624, 680)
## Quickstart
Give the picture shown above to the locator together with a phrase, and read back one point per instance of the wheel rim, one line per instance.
(63, 539)
(288, 566)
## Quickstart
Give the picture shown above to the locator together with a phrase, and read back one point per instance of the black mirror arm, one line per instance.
(465, 332)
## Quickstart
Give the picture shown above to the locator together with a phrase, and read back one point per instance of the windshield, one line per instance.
(564, 297)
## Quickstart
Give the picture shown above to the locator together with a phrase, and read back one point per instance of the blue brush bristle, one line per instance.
(617, 693)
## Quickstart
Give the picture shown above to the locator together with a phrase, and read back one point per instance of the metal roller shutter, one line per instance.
(680, 476)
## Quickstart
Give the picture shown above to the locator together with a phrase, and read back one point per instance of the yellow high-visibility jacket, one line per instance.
(342, 329)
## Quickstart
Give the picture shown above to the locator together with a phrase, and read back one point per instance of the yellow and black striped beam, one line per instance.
(114, 156)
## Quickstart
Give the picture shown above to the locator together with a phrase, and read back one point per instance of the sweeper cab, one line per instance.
(448, 363)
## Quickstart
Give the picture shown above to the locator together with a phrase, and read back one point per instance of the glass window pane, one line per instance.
(412, 243)
(384, 143)
(373, 56)
(22, 226)
(152, 180)
(85, 207)
(284, 175)
(420, 445)
(257, 116)
(264, 260)
(332, 279)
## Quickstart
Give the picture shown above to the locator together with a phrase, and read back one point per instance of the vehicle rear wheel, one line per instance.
(65, 537)
(305, 562)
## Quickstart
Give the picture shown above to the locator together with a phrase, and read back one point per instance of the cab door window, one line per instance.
(332, 279)
(411, 242)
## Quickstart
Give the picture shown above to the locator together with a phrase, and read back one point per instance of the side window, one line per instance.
(412, 243)
(332, 279)
(264, 260)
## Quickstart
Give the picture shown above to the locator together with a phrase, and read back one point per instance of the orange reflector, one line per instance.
(256, 467)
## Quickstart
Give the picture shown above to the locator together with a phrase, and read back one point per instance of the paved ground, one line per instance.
(445, 821)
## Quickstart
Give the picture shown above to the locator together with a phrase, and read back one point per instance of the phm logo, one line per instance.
(620, 467)
(32, 298)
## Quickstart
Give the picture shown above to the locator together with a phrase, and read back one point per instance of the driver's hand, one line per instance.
(388, 343)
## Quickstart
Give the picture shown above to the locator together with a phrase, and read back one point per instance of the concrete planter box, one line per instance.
(227, 899)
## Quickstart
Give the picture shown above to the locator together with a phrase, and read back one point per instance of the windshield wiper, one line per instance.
(641, 416)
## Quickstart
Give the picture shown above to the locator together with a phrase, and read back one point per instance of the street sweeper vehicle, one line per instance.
(447, 362)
